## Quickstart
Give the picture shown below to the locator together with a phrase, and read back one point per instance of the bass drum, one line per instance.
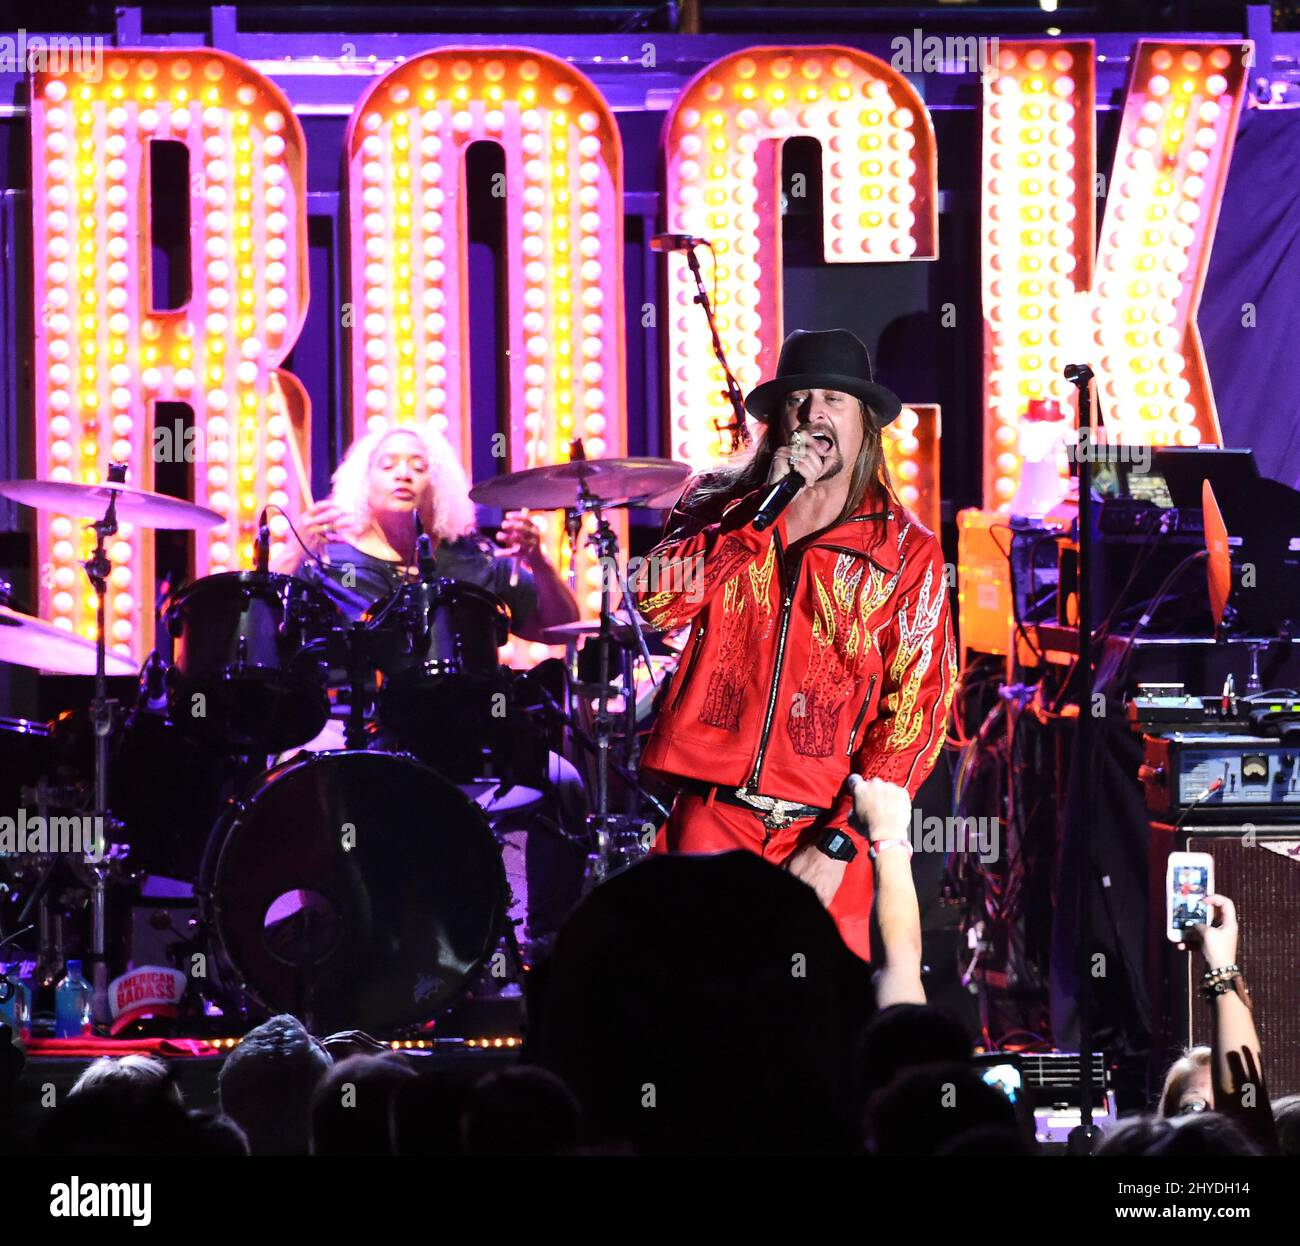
(354, 889)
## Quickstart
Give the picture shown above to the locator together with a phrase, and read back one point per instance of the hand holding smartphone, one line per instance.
(1189, 882)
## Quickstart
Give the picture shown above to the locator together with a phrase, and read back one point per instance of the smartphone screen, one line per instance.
(1190, 883)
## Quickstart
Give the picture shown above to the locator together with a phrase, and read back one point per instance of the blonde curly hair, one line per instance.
(445, 511)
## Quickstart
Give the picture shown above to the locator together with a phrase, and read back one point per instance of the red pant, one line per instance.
(699, 826)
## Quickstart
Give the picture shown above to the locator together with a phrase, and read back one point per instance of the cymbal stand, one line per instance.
(605, 542)
(98, 568)
(616, 837)
(578, 723)
(557, 714)
(632, 744)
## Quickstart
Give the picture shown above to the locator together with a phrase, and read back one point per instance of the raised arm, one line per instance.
(314, 525)
(882, 812)
(1237, 1065)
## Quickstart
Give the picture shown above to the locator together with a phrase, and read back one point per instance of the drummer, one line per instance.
(363, 535)
(362, 538)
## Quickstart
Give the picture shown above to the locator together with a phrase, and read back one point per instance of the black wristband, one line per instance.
(838, 844)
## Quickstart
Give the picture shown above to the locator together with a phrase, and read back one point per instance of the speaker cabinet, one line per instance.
(1261, 875)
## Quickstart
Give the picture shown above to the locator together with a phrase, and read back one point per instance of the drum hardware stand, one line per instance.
(46, 974)
(9, 985)
(98, 569)
(584, 738)
(617, 837)
(632, 754)
(573, 532)
(43, 796)
(354, 734)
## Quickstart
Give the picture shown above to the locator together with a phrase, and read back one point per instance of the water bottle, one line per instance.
(16, 1010)
(72, 1004)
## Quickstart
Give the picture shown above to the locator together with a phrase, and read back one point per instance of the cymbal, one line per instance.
(134, 505)
(28, 641)
(666, 500)
(622, 632)
(556, 486)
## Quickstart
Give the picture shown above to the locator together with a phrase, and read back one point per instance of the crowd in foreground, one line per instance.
(692, 1004)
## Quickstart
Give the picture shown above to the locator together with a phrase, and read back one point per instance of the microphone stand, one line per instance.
(1084, 1136)
(738, 429)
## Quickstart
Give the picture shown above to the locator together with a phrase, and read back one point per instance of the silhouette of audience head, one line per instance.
(521, 1111)
(266, 1084)
(907, 1036)
(351, 1108)
(1286, 1116)
(133, 1080)
(1202, 1133)
(427, 1112)
(704, 1004)
(927, 1109)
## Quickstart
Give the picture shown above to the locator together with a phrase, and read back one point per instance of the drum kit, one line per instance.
(360, 886)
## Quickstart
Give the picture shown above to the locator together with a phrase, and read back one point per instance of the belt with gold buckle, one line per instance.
(777, 813)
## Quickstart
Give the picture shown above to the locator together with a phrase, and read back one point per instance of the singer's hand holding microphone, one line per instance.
(800, 463)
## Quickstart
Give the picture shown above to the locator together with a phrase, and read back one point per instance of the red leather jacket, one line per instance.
(804, 663)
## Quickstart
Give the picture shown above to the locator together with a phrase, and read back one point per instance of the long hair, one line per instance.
(747, 469)
(1191, 1062)
(445, 511)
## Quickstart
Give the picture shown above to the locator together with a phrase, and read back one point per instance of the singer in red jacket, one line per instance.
(821, 646)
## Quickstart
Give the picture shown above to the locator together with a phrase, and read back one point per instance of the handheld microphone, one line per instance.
(263, 543)
(675, 242)
(780, 496)
(1078, 373)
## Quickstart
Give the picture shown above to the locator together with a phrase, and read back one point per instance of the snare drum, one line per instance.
(244, 672)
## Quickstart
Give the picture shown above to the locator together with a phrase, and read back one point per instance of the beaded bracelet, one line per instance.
(1219, 982)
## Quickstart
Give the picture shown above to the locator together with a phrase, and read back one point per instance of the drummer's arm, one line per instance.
(288, 558)
(522, 539)
(314, 527)
(555, 603)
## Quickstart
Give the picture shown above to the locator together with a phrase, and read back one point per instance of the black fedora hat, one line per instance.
(829, 359)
